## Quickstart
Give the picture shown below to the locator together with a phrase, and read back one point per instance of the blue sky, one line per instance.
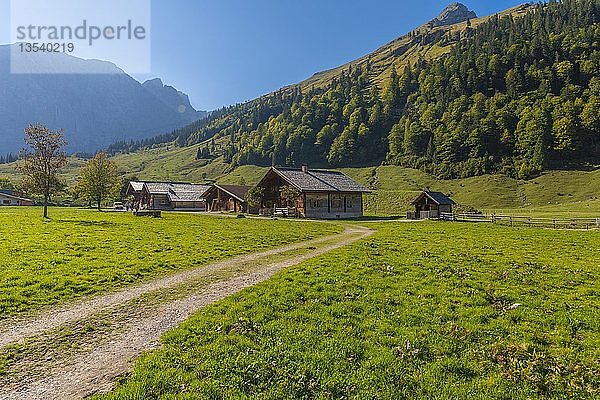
(223, 52)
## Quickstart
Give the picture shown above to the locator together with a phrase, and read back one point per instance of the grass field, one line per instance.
(427, 310)
(82, 252)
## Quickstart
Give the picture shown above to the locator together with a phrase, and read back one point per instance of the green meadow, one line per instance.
(425, 310)
(83, 252)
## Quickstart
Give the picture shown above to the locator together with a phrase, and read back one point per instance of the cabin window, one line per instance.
(6, 202)
(337, 203)
(317, 202)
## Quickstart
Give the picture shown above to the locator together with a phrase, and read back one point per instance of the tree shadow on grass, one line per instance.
(99, 224)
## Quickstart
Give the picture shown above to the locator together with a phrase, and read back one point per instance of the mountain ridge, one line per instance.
(455, 13)
(96, 103)
(399, 51)
(173, 98)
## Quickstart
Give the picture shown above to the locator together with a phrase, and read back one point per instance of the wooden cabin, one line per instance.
(135, 191)
(227, 198)
(173, 196)
(13, 198)
(321, 194)
(431, 205)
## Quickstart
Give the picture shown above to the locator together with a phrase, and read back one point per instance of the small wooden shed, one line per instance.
(431, 205)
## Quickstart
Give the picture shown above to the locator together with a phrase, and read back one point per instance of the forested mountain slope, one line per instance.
(515, 93)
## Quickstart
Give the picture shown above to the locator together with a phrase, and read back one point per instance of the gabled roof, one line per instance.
(10, 196)
(319, 180)
(438, 198)
(177, 191)
(237, 191)
(136, 186)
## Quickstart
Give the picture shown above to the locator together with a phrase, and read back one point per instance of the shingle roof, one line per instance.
(137, 186)
(157, 187)
(320, 180)
(189, 195)
(236, 191)
(437, 197)
(178, 191)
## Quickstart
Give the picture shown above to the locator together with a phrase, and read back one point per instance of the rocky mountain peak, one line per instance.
(453, 14)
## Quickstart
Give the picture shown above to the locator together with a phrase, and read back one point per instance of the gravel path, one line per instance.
(17, 331)
(97, 371)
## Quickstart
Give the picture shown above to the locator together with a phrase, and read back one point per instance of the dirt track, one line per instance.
(95, 369)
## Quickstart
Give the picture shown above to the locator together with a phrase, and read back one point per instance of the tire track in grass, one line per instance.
(98, 370)
(16, 330)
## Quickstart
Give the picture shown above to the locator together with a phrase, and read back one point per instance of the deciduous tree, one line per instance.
(5, 183)
(41, 160)
(99, 180)
(254, 197)
(290, 194)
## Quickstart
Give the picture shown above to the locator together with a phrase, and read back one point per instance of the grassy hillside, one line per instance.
(163, 163)
(68, 174)
(567, 192)
(401, 52)
(244, 175)
(461, 312)
(176, 163)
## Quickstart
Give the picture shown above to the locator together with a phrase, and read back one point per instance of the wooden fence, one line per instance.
(511, 220)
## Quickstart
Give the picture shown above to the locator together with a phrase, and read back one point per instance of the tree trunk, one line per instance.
(45, 207)
(99, 206)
